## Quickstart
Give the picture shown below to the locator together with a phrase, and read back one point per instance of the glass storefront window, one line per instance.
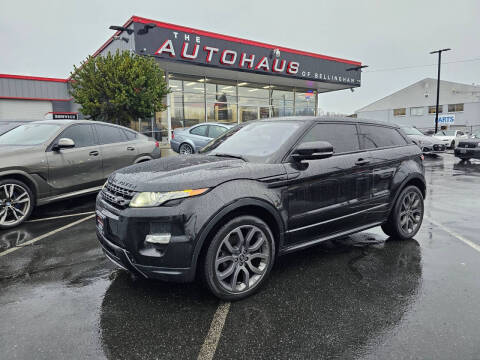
(304, 102)
(222, 112)
(187, 101)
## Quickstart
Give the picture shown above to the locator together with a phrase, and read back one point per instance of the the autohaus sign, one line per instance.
(175, 43)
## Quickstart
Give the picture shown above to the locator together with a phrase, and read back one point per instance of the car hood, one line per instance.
(425, 140)
(443, 137)
(191, 172)
(7, 152)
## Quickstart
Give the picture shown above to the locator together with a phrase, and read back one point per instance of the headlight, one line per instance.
(148, 199)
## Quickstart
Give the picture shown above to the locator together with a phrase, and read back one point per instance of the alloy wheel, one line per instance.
(186, 149)
(242, 258)
(15, 204)
(411, 212)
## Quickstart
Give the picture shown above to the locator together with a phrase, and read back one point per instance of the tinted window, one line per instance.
(80, 134)
(255, 140)
(199, 130)
(372, 137)
(32, 134)
(130, 135)
(216, 131)
(343, 137)
(110, 134)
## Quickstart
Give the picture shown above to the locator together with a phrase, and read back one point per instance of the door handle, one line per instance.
(362, 161)
(93, 153)
(131, 148)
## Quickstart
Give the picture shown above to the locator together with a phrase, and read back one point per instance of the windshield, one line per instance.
(411, 131)
(252, 140)
(31, 134)
(445, 133)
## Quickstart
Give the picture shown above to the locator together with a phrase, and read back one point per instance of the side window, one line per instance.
(372, 136)
(200, 130)
(343, 137)
(130, 135)
(110, 134)
(215, 131)
(80, 134)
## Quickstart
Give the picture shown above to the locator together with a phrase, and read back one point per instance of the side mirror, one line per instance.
(313, 150)
(63, 143)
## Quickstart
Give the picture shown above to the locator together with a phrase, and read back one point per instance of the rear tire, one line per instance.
(239, 258)
(407, 215)
(16, 203)
(185, 149)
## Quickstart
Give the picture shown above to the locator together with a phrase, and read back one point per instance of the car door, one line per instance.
(199, 136)
(384, 145)
(117, 151)
(329, 195)
(76, 168)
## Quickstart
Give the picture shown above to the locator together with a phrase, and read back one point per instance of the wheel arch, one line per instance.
(188, 142)
(23, 177)
(142, 159)
(253, 207)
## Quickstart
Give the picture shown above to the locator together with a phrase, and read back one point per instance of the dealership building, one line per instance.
(415, 105)
(213, 77)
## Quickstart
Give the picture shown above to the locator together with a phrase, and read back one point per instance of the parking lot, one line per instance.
(363, 296)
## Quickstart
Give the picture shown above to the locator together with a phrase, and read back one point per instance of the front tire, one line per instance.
(239, 258)
(407, 215)
(452, 145)
(16, 203)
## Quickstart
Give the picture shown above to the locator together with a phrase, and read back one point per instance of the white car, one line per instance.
(451, 138)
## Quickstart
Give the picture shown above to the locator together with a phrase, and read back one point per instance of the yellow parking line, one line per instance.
(210, 344)
(38, 238)
(60, 217)
(455, 235)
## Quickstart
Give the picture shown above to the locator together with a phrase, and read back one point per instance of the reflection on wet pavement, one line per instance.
(362, 296)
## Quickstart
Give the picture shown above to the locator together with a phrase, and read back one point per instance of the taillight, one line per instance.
(157, 144)
(173, 134)
(422, 157)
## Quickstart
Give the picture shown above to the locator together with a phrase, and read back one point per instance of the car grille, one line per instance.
(117, 196)
(467, 145)
(439, 147)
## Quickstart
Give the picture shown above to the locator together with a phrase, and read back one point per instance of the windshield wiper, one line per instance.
(231, 156)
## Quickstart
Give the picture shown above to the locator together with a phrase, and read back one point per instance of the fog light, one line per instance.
(158, 238)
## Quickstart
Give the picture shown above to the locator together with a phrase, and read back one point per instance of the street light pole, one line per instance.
(438, 83)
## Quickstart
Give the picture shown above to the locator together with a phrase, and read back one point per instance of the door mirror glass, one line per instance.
(64, 143)
(313, 150)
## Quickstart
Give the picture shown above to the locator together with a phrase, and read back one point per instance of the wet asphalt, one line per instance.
(361, 297)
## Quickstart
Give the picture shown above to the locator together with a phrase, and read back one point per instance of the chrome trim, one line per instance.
(338, 218)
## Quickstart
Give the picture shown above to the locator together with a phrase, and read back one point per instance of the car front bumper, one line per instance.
(434, 149)
(465, 153)
(122, 234)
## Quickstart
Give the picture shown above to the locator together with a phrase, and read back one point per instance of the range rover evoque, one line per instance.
(262, 189)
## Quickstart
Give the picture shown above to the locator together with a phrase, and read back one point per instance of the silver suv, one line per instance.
(45, 161)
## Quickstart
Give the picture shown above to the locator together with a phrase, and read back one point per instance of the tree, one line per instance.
(119, 88)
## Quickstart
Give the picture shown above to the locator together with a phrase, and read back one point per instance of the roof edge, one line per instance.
(28, 77)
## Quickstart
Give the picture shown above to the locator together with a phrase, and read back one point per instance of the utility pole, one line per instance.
(438, 82)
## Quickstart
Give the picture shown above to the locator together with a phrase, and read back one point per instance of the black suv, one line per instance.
(262, 189)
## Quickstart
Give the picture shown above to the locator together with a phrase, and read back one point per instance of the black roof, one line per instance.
(327, 118)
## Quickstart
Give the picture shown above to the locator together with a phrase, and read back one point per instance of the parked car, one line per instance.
(191, 140)
(429, 145)
(262, 189)
(49, 160)
(468, 149)
(7, 125)
(450, 138)
(476, 134)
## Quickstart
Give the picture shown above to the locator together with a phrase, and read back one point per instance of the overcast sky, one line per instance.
(45, 38)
